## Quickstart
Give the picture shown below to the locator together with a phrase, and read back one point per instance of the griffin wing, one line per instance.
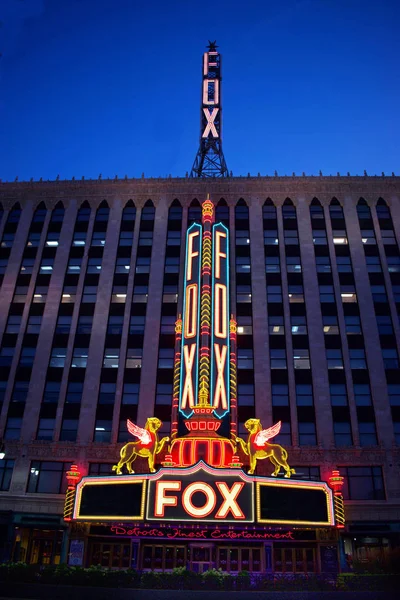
(266, 434)
(143, 435)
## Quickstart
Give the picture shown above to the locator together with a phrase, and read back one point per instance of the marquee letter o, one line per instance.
(208, 507)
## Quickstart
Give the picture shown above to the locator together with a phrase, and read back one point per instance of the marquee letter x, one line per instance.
(220, 392)
(210, 122)
(188, 387)
(229, 504)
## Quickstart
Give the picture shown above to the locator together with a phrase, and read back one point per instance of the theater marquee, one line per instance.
(204, 494)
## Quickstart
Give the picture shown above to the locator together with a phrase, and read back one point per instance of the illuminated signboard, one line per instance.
(191, 324)
(187, 533)
(103, 498)
(211, 94)
(297, 502)
(203, 494)
(219, 394)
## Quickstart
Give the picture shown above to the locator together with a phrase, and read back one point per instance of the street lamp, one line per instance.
(2, 450)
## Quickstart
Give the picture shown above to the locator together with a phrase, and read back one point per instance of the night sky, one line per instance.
(113, 86)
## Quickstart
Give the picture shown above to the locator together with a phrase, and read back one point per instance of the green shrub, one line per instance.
(367, 582)
(19, 571)
(152, 580)
(213, 579)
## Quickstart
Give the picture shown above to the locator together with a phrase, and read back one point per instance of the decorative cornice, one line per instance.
(185, 190)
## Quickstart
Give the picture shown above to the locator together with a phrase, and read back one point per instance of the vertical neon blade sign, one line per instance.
(219, 396)
(191, 321)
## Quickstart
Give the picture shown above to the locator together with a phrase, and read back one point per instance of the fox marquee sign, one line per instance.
(208, 498)
(204, 494)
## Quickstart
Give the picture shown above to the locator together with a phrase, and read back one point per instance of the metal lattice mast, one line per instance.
(210, 161)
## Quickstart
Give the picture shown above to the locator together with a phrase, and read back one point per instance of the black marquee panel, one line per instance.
(113, 500)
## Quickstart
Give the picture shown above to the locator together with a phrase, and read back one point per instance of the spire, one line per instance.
(210, 161)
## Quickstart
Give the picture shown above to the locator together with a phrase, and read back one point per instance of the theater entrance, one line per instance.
(202, 557)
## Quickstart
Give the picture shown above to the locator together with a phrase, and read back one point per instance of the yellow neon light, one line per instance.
(188, 387)
(177, 376)
(220, 327)
(296, 484)
(207, 208)
(178, 325)
(233, 378)
(191, 311)
(276, 453)
(220, 392)
(218, 253)
(69, 503)
(339, 509)
(112, 481)
(191, 254)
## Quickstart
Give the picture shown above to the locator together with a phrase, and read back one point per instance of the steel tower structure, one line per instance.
(210, 161)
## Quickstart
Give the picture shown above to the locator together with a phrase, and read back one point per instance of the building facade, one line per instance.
(92, 285)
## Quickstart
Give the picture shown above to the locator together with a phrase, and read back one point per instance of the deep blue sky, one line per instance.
(112, 86)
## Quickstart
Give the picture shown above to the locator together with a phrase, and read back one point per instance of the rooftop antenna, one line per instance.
(210, 161)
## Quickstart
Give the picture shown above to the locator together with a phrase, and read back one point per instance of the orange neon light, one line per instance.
(220, 391)
(220, 327)
(188, 387)
(191, 311)
(191, 254)
(218, 253)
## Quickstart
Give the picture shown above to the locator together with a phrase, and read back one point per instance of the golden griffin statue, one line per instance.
(148, 445)
(258, 448)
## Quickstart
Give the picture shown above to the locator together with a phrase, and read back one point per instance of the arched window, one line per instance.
(363, 209)
(40, 213)
(103, 212)
(175, 211)
(148, 211)
(222, 212)
(241, 211)
(316, 210)
(288, 210)
(57, 214)
(129, 214)
(335, 209)
(84, 212)
(194, 214)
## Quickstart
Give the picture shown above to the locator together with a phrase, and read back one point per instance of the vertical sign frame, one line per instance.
(220, 317)
(189, 377)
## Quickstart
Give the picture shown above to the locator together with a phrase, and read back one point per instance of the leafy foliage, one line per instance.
(183, 579)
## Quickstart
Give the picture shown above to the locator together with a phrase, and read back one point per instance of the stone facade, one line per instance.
(254, 191)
